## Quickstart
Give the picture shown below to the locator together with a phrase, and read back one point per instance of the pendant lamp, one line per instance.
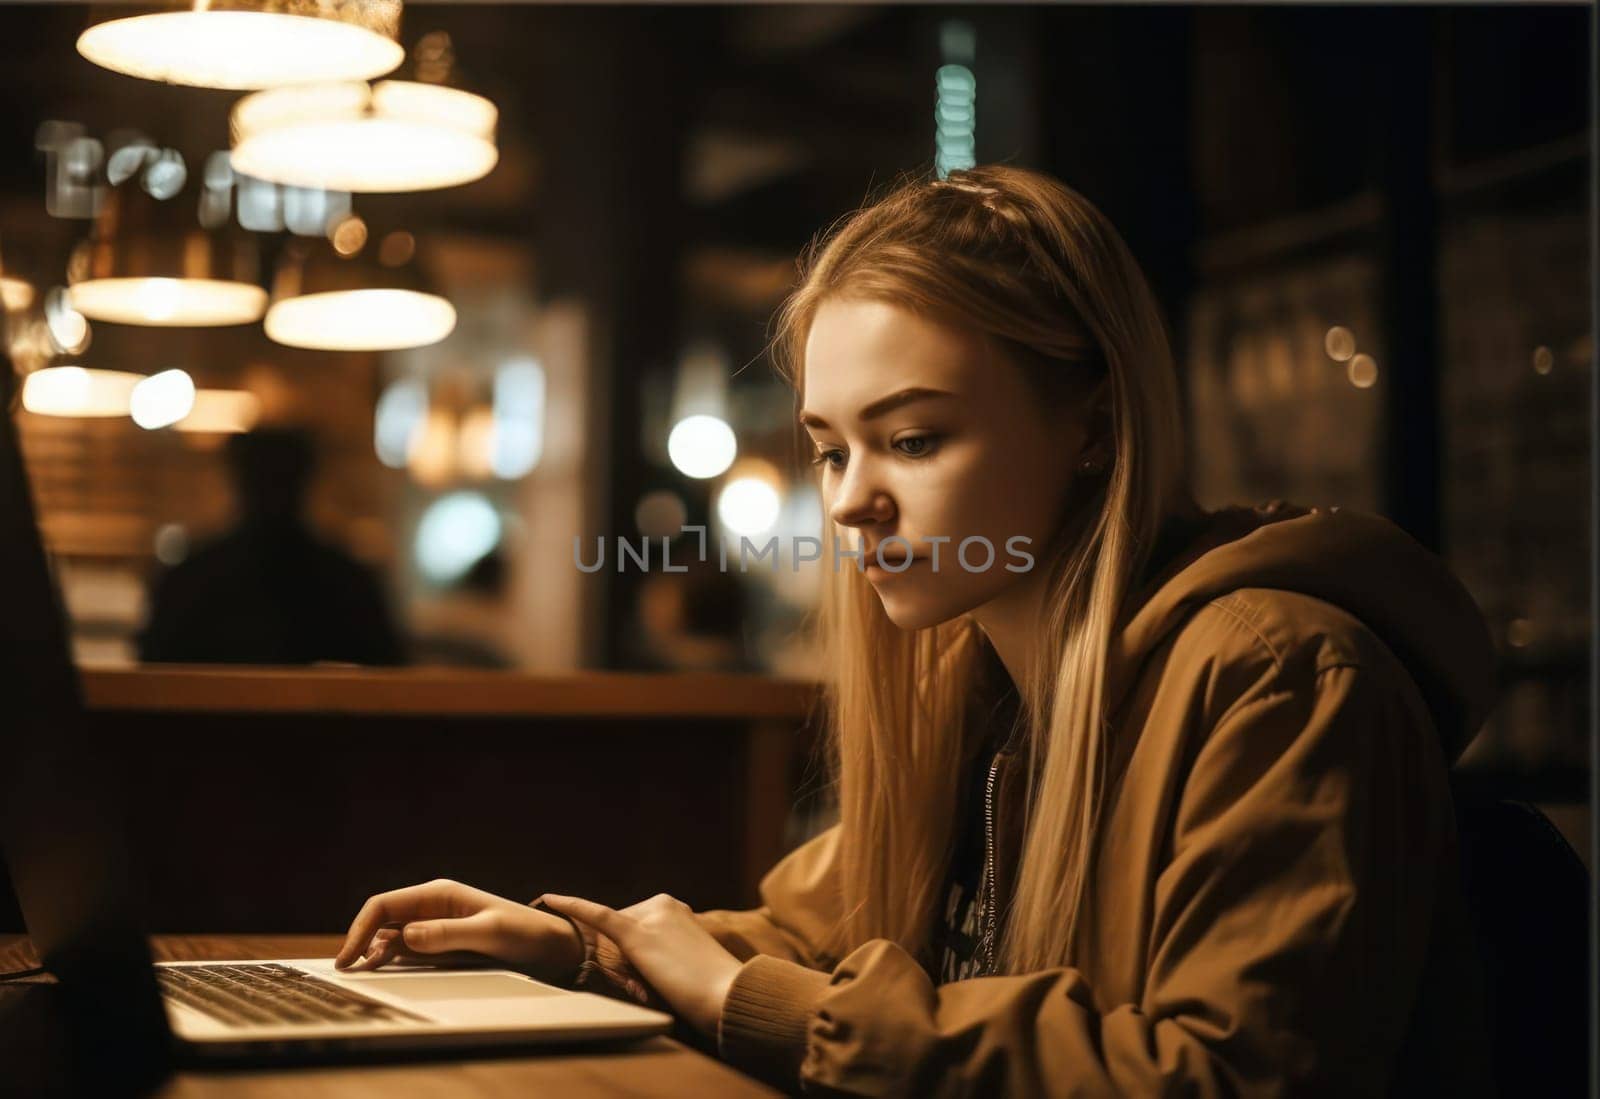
(246, 44)
(149, 261)
(363, 296)
(396, 135)
(79, 391)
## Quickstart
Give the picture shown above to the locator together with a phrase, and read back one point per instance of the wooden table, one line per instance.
(656, 1066)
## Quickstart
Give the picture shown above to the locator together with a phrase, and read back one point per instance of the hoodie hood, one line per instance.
(1357, 561)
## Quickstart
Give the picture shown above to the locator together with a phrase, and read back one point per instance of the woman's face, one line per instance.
(921, 433)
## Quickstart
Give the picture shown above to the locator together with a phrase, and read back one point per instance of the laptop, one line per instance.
(62, 834)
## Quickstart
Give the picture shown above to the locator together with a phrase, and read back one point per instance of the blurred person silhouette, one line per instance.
(269, 591)
(692, 620)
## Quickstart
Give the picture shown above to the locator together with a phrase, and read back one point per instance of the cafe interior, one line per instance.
(466, 298)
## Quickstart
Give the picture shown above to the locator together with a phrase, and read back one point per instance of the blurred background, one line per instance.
(1369, 228)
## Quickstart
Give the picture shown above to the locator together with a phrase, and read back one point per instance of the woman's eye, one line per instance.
(825, 457)
(917, 446)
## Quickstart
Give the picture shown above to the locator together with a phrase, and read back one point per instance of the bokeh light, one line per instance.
(1362, 371)
(1340, 343)
(702, 446)
(660, 514)
(748, 505)
(161, 400)
(455, 533)
(399, 416)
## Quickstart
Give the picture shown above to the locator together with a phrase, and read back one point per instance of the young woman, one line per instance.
(1164, 813)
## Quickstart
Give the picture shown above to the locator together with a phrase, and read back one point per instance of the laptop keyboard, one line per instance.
(270, 995)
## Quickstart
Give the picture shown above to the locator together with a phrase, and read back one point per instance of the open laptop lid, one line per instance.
(62, 825)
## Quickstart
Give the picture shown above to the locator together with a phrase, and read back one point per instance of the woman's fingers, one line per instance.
(454, 959)
(478, 933)
(382, 949)
(605, 920)
(435, 898)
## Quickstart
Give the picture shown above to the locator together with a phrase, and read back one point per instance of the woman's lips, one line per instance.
(900, 566)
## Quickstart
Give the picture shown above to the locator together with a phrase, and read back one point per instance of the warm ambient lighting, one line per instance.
(361, 320)
(398, 135)
(431, 459)
(161, 400)
(164, 302)
(76, 391)
(15, 294)
(222, 412)
(235, 44)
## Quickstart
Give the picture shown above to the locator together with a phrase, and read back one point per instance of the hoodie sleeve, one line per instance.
(1291, 923)
(799, 913)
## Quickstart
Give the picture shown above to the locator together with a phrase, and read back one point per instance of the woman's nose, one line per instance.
(860, 503)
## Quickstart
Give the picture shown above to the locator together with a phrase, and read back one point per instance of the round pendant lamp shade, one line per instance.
(397, 135)
(331, 302)
(149, 262)
(246, 44)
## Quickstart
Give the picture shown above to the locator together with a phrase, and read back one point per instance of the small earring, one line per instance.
(1089, 465)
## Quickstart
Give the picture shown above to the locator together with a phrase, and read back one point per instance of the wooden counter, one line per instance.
(276, 800)
(446, 691)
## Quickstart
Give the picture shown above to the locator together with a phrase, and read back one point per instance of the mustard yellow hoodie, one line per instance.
(1274, 907)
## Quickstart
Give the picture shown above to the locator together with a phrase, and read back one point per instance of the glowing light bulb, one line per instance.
(702, 446)
(748, 505)
(161, 400)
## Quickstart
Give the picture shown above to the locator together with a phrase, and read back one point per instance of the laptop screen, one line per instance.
(62, 828)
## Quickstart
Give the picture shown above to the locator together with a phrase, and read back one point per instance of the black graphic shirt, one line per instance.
(959, 926)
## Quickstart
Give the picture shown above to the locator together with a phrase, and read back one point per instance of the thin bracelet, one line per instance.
(538, 905)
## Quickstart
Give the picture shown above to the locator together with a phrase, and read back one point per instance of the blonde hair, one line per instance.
(1040, 274)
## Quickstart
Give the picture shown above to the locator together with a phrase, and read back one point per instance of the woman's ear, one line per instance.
(1098, 442)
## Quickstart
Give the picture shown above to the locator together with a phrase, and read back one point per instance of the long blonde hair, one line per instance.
(1040, 274)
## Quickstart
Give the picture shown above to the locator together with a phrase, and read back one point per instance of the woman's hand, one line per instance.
(666, 945)
(446, 923)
